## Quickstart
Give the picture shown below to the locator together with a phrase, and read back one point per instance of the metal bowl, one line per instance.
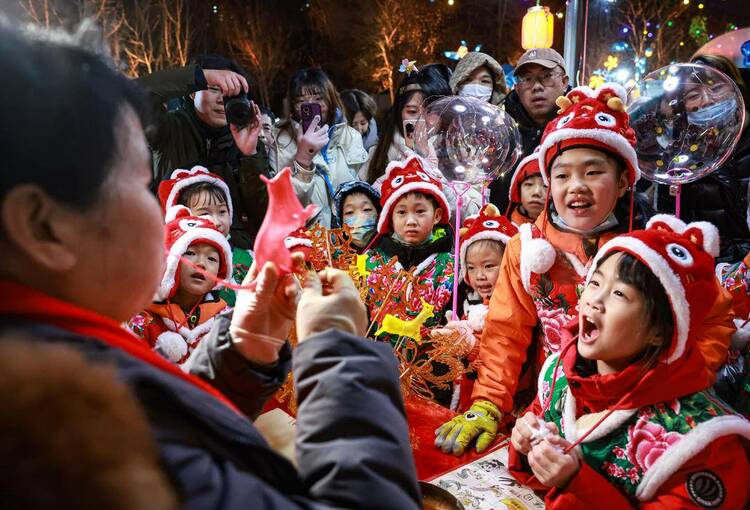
(437, 498)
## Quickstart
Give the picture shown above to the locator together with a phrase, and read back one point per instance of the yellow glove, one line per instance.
(479, 422)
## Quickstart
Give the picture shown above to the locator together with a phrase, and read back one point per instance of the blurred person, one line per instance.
(82, 251)
(267, 121)
(361, 111)
(100, 452)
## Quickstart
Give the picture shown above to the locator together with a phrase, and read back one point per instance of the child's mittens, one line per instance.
(479, 422)
(476, 315)
(172, 346)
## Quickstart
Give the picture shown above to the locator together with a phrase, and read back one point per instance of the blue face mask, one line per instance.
(715, 115)
(360, 225)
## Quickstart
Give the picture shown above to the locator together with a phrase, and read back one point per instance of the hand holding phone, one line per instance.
(409, 128)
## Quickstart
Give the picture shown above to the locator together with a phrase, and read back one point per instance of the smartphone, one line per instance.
(308, 111)
(409, 129)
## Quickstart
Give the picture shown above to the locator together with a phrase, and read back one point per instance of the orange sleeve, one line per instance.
(714, 478)
(507, 334)
(715, 334)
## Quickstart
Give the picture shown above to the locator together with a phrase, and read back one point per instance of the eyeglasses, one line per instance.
(527, 81)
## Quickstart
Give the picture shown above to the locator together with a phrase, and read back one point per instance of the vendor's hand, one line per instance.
(550, 465)
(741, 337)
(311, 141)
(230, 83)
(246, 139)
(479, 422)
(330, 300)
(522, 435)
(267, 311)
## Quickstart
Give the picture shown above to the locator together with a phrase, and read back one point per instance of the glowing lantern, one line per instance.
(537, 28)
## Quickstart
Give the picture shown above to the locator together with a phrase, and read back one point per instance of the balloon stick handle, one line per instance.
(456, 255)
(676, 191)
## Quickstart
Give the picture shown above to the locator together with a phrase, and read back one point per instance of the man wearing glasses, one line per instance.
(540, 79)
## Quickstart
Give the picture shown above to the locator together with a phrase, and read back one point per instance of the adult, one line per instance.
(720, 197)
(267, 121)
(361, 110)
(540, 79)
(327, 153)
(416, 89)
(197, 133)
(479, 75)
(81, 251)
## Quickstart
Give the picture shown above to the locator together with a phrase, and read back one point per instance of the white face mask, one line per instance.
(477, 90)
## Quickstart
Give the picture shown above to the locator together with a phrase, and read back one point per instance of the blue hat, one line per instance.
(346, 189)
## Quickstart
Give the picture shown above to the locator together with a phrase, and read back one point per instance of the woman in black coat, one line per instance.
(721, 197)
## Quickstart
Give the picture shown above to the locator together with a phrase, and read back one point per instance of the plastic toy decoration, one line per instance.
(408, 328)
(284, 215)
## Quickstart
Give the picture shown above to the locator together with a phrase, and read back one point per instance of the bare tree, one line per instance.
(144, 35)
(666, 23)
(156, 35)
(258, 41)
(398, 30)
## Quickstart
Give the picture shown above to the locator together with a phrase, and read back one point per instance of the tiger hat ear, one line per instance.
(666, 222)
(704, 235)
(491, 210)
(563, 104)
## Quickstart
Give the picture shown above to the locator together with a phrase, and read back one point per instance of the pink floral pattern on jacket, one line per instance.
(647, 441)
(552, 321)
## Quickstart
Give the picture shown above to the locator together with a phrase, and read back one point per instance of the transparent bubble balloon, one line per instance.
(687, 119)
(468, 141)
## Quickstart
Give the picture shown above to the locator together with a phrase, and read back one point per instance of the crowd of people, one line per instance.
(607, 337)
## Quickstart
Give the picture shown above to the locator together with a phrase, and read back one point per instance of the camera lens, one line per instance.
(238, 111)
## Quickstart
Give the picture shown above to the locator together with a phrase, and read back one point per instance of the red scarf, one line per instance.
(20, 301)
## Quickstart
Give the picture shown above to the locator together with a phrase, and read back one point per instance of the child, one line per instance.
(483, 240)
(207, 196)
(649, 433)
(184, 307)
(588, 158)
(527, 191)
(358, 206)
(411, 229)
(412, 237)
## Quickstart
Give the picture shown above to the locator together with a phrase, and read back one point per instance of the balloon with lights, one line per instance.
(467, 143)
(687, 119)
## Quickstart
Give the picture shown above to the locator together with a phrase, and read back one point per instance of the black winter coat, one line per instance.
(531, 136)
(352, 446)
(719, 198)
(179, 139)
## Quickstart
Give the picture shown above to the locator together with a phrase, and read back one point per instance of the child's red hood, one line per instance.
(643, 387)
